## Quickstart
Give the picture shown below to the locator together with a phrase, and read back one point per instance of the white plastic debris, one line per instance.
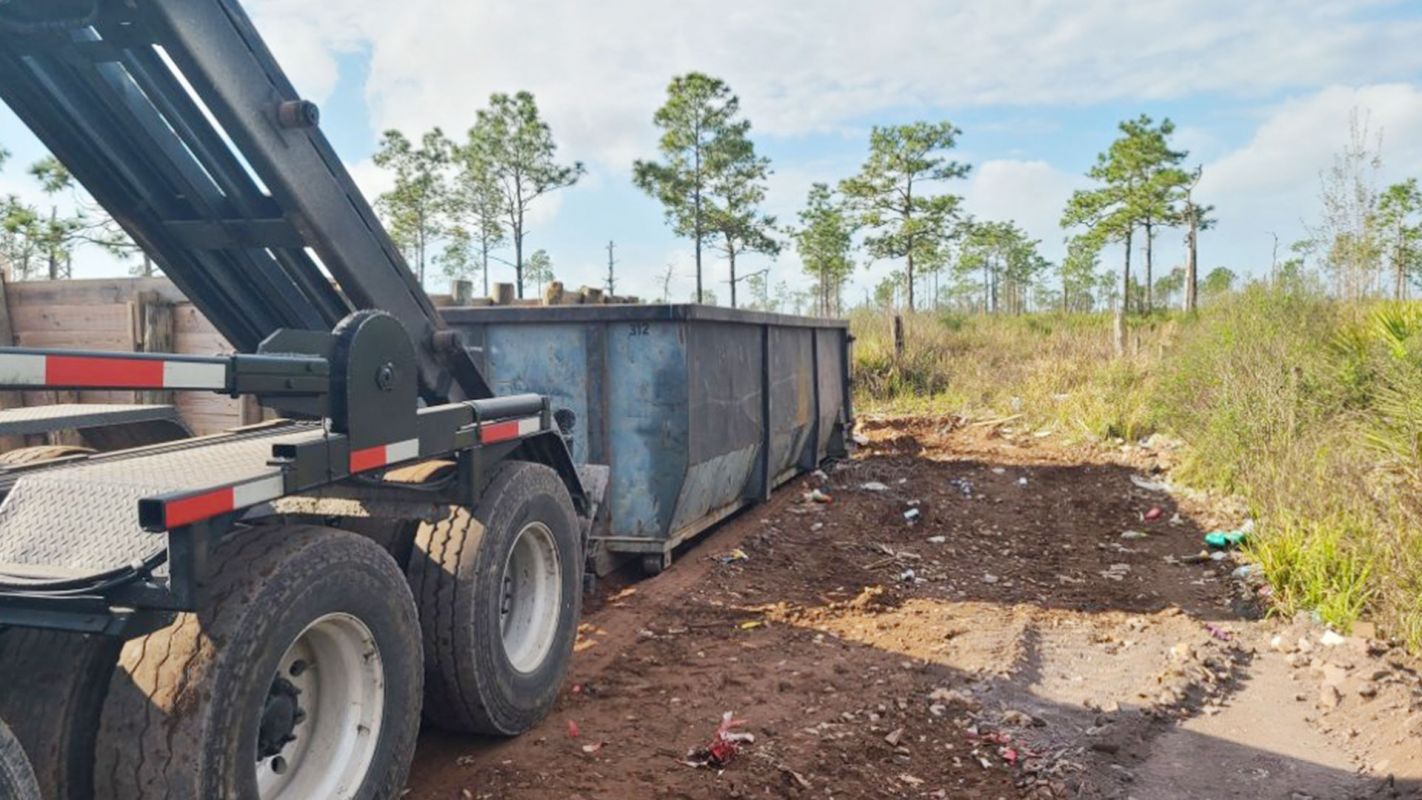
(1149, 485)
(937, 539)
(874, 486)
(1021, 481)
(1331, 639)
(911, 515)
(1133, 535)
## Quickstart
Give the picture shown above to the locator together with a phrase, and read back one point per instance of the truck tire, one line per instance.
(53, 693)
(17, 780)
(300, 678)
(42, 452)
(499, 592)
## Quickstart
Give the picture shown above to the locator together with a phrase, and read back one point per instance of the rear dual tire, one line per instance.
(499, 593)
(52, 686)
(17, 779)
(300, 679)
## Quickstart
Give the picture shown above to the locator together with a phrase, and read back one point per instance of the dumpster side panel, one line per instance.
(831, 362)
(647, 426)
(724, 400)
(792, 397)
(544, 359)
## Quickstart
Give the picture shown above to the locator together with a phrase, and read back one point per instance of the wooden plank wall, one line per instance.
(100, 314)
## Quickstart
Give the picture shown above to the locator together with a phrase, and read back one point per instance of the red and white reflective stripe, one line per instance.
(384, 454)
(215, 502)
(31, 369)
(491, 432)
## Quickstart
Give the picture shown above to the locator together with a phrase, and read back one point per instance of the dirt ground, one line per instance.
(965, 619)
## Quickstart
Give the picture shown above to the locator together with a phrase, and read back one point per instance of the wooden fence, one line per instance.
(124, 314)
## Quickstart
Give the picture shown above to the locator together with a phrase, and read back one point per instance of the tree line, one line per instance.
(462, 204)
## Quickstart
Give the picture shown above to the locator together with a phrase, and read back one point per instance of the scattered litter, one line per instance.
(1223, 634)
(990, 578)
(874, 486)
(732, 557)
(573, 731)
(725, 745)
(1116, 572)
(1331, 639)
(1021, 481)
(1149, 485)
(817, 526)
(912, 515)
(1133, 535)
(907, 576)
(860, 439)
(937, 539)
(999, 470)
(817, 496)
(1226, 540)
(1198, 558)
(1176, 519)
(963, 485)
(751, 624)
(1243, 571)
(592, 748)
(1154, 514)
(820, 475)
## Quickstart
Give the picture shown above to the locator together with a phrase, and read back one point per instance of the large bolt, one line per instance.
(298, 114)
(385, 377)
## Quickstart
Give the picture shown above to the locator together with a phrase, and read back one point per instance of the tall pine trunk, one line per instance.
(731, 256)
(1149, 289)
(484, 248)
(1191, 265)
(1124, 306)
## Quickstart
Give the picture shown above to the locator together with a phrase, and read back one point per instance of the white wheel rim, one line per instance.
(335, 664)
(531, 598)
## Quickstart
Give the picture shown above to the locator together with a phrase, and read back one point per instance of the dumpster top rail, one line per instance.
(676, 312)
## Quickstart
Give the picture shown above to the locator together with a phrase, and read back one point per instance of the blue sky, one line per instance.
(1261, 91)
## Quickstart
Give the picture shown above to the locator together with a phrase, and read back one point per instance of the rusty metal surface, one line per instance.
(84, 516)
(696, 410)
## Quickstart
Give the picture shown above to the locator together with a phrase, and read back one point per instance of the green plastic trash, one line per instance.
(1224, 540)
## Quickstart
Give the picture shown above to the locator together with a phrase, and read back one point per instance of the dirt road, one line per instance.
(965, 619)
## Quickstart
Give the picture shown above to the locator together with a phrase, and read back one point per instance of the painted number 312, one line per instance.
(641, 329)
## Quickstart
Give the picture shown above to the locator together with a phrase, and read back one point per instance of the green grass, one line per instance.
(1307, 408)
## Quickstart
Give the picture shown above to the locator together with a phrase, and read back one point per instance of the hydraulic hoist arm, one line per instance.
(176, 117)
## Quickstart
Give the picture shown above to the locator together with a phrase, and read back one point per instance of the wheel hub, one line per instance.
(280, 717)
(530, 598)
(321, 718)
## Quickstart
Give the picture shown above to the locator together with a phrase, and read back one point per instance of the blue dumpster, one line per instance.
(697, 410)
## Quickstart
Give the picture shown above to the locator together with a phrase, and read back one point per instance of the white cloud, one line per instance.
(1270, 184)
(600, 68)
(1032, 193)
